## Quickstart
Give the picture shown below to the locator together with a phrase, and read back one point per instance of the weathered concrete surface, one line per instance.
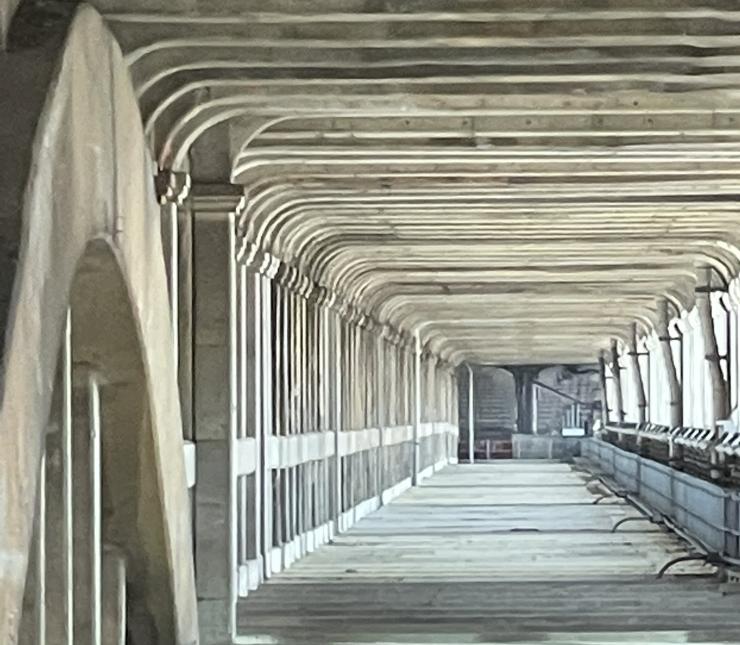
(25, 75)
(495, 553)
(529, 176)
(90, 178)
(7, 9)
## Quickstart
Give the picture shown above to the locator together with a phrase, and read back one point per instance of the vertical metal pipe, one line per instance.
(471, 415)
(242, 399)
(337, 419)
(253, 307)
(67, 488)
(96, 525)
(174, 280)
(380, 402)
(40, 600)
(233, 426)
(266, 366)
(417, 407)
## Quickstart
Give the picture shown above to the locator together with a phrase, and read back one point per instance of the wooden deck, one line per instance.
(508, 552)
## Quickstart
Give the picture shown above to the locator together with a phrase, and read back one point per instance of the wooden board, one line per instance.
(511, 552)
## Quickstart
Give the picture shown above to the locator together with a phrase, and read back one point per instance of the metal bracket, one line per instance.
(636, 518)
(708, 558)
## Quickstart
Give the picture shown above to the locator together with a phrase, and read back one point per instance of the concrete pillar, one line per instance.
(718, 382)
(605, 410)
(250, 310)
(264, 288)
(172, 190)
(637, 376)
(214, 420)
(669, 365)
(337, 394)
(417, 410)
(523, 379)
(617, 380)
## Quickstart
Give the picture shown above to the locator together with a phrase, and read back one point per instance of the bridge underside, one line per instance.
(269, 269)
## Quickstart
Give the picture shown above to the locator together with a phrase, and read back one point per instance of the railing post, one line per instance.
(96, 519)
(67, 483)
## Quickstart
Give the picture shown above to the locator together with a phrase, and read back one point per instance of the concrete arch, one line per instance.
(89, 139)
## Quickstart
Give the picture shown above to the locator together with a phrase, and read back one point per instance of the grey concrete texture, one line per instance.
(88, 186)
(7, 9)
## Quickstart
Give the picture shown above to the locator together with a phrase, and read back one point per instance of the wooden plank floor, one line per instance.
(509, 552)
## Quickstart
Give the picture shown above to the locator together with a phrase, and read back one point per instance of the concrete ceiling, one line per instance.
(522, 179)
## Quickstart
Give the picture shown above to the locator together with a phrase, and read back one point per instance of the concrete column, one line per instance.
(605, 410)
(637, 376)
(172, 189)
(251, 360)
(214, 422)
(523, 378)
(268, 420)
(669, 365)
(338, 416)
(417, 409)
(617, 380)
(718, 382)
(381, 416)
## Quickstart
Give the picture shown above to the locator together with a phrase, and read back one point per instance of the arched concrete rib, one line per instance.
(526, 164)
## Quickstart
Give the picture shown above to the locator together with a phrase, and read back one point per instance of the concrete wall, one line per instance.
(7, 9)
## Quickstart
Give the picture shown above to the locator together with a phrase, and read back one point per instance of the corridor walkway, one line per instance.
(509, 552)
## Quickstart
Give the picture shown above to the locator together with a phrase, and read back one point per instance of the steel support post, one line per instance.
(96, 514)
